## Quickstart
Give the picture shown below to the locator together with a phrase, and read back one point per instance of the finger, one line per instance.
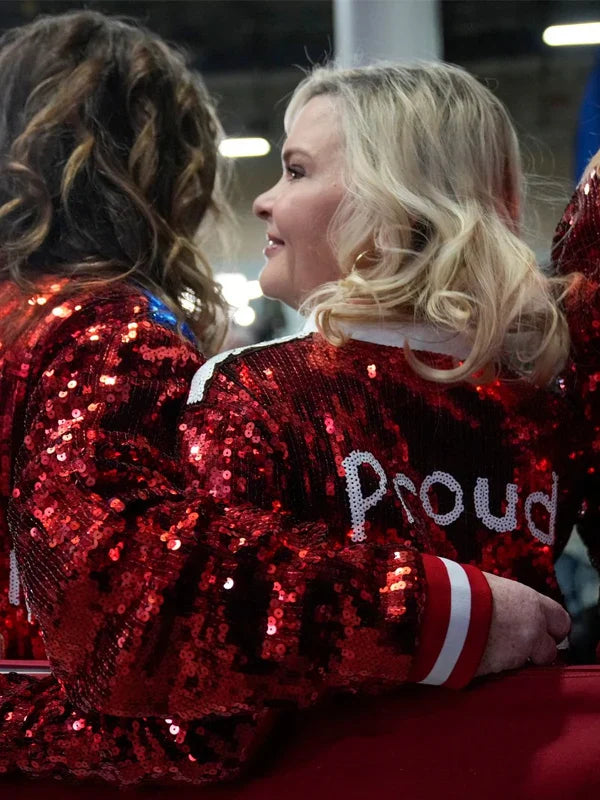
(558, 622)
(544, 651)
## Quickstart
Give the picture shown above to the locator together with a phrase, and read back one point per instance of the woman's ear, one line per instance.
(367, 255)
(366, 258)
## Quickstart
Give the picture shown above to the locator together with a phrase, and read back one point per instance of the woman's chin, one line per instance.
(273, 288)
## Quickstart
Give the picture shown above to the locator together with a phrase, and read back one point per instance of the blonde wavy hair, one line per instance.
(108, 164)
(434, 190)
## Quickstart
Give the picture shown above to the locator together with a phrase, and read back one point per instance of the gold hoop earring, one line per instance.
(364, 254)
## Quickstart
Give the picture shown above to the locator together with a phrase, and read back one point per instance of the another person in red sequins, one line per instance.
(421, 404)
(170, 620)
(576, 249)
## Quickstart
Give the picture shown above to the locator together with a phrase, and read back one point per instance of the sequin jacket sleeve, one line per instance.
(154, 600)
(251, 435)
(576, 249)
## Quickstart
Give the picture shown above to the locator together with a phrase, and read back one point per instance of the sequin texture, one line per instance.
(488, 475)
(576, 249)
(137, 584)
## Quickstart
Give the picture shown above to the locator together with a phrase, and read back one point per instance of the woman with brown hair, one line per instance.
(97, 203)
(109, 149)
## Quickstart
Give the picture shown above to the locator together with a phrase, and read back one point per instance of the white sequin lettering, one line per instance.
(401, 480)
(14, 582)
(481, 496)
(359, 504)
(450, 483)
(549, 503)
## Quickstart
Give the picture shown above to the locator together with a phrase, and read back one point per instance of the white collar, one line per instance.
(419, 336)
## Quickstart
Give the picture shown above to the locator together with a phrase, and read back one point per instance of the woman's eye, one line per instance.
(294, 172)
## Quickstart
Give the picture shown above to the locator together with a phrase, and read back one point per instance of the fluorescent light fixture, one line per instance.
(580, 33)
(248, 147)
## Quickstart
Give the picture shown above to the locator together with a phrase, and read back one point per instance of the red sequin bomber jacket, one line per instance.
(459, 479)
(177, 573)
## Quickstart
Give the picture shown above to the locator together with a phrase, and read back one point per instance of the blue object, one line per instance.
(161, 313)
(588, 129)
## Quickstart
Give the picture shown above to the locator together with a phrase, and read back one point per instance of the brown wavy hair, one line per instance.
(108, 163)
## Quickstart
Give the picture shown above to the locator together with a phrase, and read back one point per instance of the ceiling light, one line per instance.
(580, 33)
(244, 316)
(248, 147)
(233, 285)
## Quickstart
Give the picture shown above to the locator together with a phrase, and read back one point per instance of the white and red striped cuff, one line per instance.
(455, 624)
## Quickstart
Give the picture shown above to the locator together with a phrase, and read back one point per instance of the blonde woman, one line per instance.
(421, 405)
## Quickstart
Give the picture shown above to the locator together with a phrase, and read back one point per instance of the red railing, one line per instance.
(25, 667)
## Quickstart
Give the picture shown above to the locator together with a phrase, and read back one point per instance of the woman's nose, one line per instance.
(263, 205)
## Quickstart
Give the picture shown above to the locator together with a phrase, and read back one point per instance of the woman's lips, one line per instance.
(274, 245)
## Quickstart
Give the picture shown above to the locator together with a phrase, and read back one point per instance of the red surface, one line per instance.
(533, 734)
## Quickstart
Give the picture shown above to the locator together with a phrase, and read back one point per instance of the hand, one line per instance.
(525, 625)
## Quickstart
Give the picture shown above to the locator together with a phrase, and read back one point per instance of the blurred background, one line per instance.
(252, 53)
